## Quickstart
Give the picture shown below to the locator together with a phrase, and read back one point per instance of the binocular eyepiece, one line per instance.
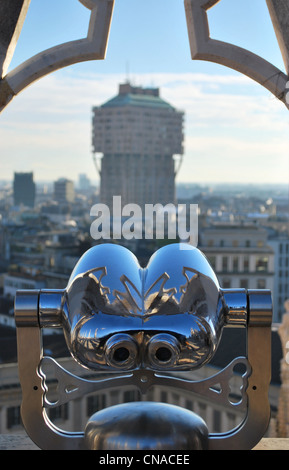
(121, 352)
(161, 351)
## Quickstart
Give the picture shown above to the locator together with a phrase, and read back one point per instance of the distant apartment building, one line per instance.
(280, 246)
(137, 134)
(83, 182)
(64, 191)
(12, 282)
(240, 255)
(24, 189)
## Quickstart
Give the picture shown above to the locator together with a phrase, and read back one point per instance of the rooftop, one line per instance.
(137, 96)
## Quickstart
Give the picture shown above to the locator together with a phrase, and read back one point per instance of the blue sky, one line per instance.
(235, 130)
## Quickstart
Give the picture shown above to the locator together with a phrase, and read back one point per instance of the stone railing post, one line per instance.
(282, 423)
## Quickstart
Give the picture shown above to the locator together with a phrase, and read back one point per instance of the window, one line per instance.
(226, 283)
(280, 288)
(246, 264)
(189, 405)
(235, 263)
(202, 410)
(95, 403)
(175, 398)
(231, 420)
(261, 283)
(13, 417)
(225, 263)
(59, 413)
(244, 283)
(212, 261)
(130, 395)
(216, 421)
(262, 264)
(164, 396)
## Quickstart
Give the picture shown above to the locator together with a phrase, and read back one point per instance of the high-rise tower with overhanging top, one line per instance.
(138, 135)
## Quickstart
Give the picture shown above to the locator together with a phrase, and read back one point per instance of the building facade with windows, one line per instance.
(136, 136)
(12, 282)
(64, 191)
(240, 255)
(280, 246)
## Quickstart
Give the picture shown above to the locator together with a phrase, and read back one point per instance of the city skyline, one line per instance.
(235, 131)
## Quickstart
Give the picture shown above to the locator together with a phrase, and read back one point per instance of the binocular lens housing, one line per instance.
(123, 352)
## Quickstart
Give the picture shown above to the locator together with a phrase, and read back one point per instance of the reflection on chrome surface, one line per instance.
(119, 316)
(136, 323)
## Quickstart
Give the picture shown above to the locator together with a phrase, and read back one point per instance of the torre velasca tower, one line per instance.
(137, 135)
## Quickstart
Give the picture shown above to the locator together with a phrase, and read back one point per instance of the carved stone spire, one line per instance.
(279, 11)
(12, 16)
(93, 47)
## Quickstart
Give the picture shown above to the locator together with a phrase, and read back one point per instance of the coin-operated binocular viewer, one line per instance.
(138, 327)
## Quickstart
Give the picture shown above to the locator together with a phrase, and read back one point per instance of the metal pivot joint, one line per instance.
(142, 323)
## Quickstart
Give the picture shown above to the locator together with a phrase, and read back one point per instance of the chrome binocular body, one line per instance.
(143, 322)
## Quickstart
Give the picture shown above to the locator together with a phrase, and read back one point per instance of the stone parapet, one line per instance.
(22, 442)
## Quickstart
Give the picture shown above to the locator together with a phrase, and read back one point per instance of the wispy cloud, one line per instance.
(234, 129)
(233, 159)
